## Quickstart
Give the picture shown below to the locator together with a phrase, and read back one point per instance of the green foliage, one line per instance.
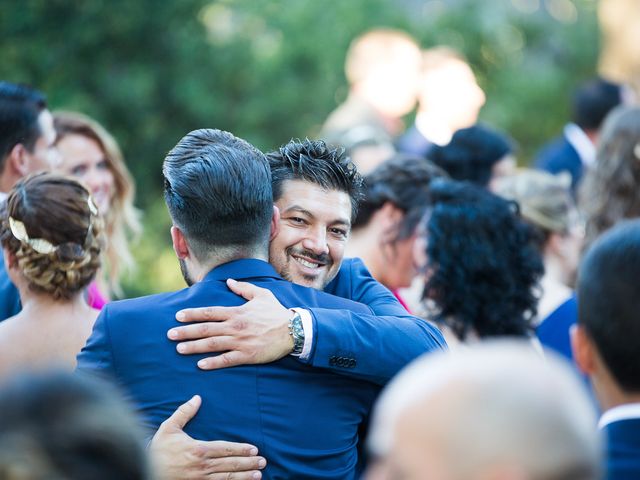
(270, 70)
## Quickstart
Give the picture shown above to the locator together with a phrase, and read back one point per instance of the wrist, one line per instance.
(296, 334)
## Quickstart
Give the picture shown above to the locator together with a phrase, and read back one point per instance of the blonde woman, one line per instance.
(51, 233)
(92, 155)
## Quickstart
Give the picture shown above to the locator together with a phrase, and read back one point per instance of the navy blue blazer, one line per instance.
(623, 449)
(9, 296)
(304, 420)
(560, 156)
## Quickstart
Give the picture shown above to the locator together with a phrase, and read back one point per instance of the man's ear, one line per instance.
(583, 349)
(180, 245)
(18, 160)
(275, 223)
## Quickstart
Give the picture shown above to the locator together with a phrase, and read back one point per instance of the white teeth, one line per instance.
(307, 264)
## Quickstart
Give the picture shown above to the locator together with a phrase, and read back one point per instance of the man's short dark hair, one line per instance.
(608, 295)
(472, 153)
(20, 107)
(593, 101)
(315, 162)
(404, 182)
(218, 191)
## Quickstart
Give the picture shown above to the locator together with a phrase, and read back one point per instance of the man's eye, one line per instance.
(297, 220)
(339, 232)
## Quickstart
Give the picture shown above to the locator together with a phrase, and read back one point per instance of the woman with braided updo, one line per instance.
(51, 234)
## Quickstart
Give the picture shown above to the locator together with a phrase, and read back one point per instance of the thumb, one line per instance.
(248, 291)
(184, 413)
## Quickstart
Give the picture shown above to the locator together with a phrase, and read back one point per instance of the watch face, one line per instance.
(297, 332)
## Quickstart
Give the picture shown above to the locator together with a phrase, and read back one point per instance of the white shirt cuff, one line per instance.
(307, 326)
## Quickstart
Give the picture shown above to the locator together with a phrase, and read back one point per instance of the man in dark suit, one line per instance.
(27, 144)
(606, 342)
(304, 420)
(575, 149)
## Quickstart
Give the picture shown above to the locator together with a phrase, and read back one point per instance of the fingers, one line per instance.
(211, 314)
(225, 360)
(220, 449)
(246, 290)
(207, 345)
(197, 331)
(183, 414)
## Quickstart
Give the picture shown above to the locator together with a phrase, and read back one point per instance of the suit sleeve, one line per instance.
(96, 357)
(372, 346)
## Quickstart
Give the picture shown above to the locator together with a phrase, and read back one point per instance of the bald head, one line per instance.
(496, 410)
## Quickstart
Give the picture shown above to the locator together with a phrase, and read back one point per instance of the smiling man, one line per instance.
(316, 188)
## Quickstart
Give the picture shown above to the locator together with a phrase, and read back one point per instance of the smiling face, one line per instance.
(83, 158)
(314, 228)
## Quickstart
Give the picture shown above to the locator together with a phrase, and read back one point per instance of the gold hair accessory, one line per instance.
(92, 206)
(40, 245)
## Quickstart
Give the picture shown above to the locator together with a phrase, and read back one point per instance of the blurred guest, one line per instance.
(449, 98)
(384, 232)
(611, 190)
(547, 205)
(51, 235)
(606, 343)
(60, 426)
(27, 140)
(492, 411)
(575, 150)
(481, 266)
(382, 68)
(91, 154)
(477, 154)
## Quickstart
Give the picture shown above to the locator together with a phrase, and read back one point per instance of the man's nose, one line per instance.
(316, 241)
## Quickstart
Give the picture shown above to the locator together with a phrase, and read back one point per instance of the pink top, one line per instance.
(95, 299)
(401, 300)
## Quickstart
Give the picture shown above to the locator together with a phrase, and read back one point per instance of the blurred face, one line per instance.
(451, 90)
(505, 167)
(83, 158)
(314, 228)
(402, 265)
(394, 85)
(44, 155)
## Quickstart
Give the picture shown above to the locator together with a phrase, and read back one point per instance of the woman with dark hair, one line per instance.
(482, 267)
(610, 191)
(52, 238)
(476, 154)
(384, 232)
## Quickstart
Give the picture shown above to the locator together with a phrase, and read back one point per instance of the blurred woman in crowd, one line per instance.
(476, 154)
(92, 155)
(51, 234)
(481, 266)
(396, 197)
(610, 191)
(546, 203)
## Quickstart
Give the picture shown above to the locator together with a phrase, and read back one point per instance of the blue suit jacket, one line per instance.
(9, 296)
(623, 450)
(560, 156)
(304, 420)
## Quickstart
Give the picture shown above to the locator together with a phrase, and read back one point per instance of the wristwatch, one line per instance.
(297, 333)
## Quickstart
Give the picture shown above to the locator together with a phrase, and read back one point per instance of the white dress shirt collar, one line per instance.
(582, 143)
(627, 411)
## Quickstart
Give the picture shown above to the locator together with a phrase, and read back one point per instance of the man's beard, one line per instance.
(185, 272)
(323, 258)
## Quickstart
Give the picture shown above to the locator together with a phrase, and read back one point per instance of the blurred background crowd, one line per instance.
(269, 72)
